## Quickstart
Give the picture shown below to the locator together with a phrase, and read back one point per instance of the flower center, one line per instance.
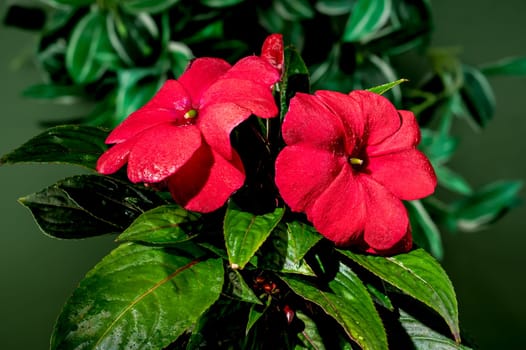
(356, 163)
(191, 114)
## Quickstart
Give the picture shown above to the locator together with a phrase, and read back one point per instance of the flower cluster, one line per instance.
(348, 162)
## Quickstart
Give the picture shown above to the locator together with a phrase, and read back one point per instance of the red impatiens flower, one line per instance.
(348, 163)
(181, 138)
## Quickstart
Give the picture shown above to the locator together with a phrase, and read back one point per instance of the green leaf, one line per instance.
(87, 39)
(309, 337)
(74, 2)
(295, 78)
(220, 3)
(138, 297)
(515, 66)
(485, 205)
(180, 56)
(136, 87)
(381, 89)
(96, 205)
(424, 337)
(418, 275)
(254, 314)
(246, 232)
(452, 181)
(367, 16)
(477, 95)
(345, 299)
(294, 10)
(167, 224)
(67, 144)
(286, 246)
(425, 232)
(57, 93)
(334, 7)
(237, 288)
(149, 6)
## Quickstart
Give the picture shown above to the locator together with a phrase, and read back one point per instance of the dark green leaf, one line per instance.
(168, 224)
(485, 205)
(381, 89)
(424, 337)
(478, 96)
(237, 288)
(345, 299)
(293, 10)
(255, 313)
(367, 16)
(95, 204)
(509, 66)
(418, 275)
(452, 181)
(439, 148)
(334, 7)
(286, 246)
(220, 3)
(425, 232)
(295, 78)
(25, 17)
(149, 6)
(87, 39)
(68, 144)
(212, 31)
(380, 297)
(246, 232)
(138, 297)
(180, 55)
(74, 2)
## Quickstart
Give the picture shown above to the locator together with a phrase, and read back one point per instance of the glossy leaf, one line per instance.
(295, 78)
(485, 205)
(286, 246)
(96, 204)
(381, 89)
(87, 39)
(167, 224)
(425, 232)
(418, 275)
(254, 314)
(515, 66)
(149, 6)
(139, 297)
(366, 17)
(334, 7)
(180, 56)
(345, 299)
(245, 232)
(423, 337)
(67, 144)
(478, 96)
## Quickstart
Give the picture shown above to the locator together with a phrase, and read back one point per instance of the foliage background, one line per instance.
(38, 273)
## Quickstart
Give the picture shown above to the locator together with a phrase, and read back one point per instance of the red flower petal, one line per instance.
(380, 115)
(340, 212)
(309, 120)
(205, 182)
(408, 136)
(303, 173)
(160, 151)
(407, 174)
(387, 221)
(248, 94)
(168, 105)
(200, 74)
(114, 158)
(217, 121)
(255, 69)
(272, 50)
(405, 245)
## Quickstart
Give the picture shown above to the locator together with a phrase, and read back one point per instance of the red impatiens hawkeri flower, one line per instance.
(348, 163)
(181, 138)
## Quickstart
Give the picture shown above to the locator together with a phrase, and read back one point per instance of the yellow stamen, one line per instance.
(190, 114)
(355, 161)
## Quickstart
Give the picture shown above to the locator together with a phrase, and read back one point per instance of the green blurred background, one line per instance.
(487, 268)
